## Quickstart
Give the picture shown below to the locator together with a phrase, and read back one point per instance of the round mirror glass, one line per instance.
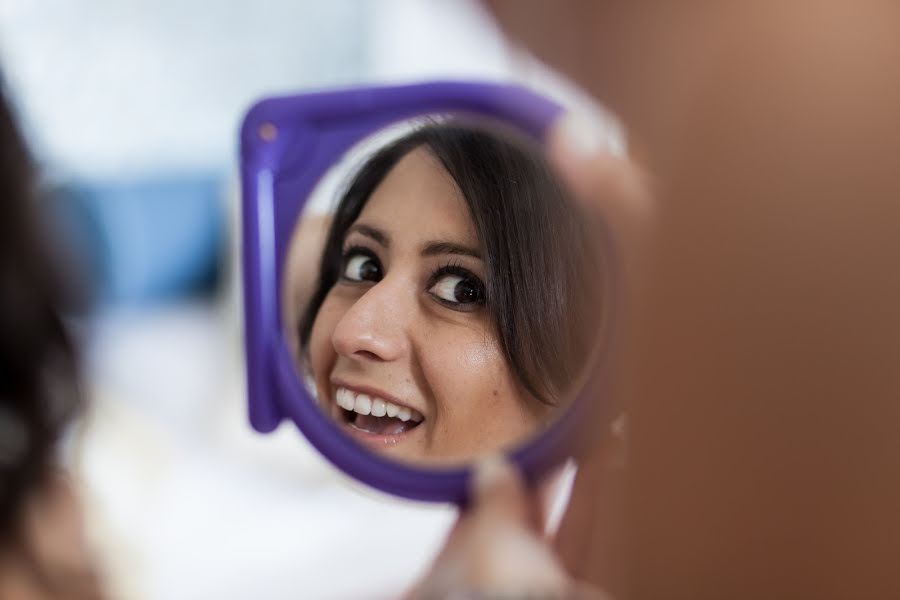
(441, 295)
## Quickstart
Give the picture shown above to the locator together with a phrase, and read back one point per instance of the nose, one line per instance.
(376, 327)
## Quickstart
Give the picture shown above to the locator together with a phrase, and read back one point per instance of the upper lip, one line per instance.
(372, 391)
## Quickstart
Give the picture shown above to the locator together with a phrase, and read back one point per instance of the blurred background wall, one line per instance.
(132, 108)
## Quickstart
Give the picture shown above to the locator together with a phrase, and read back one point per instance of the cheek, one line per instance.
(321, 350)
(471, 379)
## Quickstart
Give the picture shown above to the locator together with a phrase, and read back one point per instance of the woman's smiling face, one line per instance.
(403, 351)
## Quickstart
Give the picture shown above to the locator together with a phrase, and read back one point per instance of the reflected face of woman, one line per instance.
(403, 351)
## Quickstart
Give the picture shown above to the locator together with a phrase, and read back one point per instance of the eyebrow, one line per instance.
(440, 247)
(435, 248)
(371, 232)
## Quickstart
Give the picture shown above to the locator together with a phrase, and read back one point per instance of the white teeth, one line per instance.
(379, 409)
(344, 399)
(363, 404)
(367, 405)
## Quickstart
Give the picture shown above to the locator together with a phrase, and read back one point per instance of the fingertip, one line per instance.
(581, 136)
(589, 159)
(602, 180)
(492, 473)
(574, 144)
(499, 493)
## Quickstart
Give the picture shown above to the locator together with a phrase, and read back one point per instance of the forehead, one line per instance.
(418, 201)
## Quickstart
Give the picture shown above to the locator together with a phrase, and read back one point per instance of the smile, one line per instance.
(375, 416)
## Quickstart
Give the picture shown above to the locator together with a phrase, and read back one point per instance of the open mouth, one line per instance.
(373, 415)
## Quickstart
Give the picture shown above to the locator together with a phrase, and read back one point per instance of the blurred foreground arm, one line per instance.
(760, 374)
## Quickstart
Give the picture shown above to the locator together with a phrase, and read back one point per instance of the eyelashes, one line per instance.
(457, 288)
(360, 264)
(451, 284)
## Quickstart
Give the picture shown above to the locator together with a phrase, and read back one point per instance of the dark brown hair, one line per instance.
(38, 388)
(543, 286)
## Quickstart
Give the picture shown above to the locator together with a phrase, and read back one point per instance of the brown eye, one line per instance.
(361, 267)
(458, 289)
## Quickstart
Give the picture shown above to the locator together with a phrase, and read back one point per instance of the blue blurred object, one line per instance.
(147, 239)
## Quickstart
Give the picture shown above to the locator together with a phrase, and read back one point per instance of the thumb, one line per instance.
(610, 189)
(499, 495)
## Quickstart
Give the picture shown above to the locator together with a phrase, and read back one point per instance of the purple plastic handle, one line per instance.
(287, 145)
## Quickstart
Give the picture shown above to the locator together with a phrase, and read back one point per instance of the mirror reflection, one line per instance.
(441, 310)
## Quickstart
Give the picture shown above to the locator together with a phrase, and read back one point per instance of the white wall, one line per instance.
(114, 86)
(111, 87)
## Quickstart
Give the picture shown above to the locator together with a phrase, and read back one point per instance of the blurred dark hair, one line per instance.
(543, 286)
(38, 386)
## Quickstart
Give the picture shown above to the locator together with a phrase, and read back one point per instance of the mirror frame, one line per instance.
(287, 144)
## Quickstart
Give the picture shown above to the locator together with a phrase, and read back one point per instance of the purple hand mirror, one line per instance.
(287, 145)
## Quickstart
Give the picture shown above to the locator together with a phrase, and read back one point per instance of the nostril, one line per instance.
(367, 354)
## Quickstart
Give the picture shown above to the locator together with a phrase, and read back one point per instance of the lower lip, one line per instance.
(374, 440)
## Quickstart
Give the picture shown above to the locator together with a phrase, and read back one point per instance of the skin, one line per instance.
(762, 418)
(395, 336)
(497, 552)
(52, 559)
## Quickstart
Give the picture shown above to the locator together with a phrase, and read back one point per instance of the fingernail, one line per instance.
(489, 472)
(584, 136)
